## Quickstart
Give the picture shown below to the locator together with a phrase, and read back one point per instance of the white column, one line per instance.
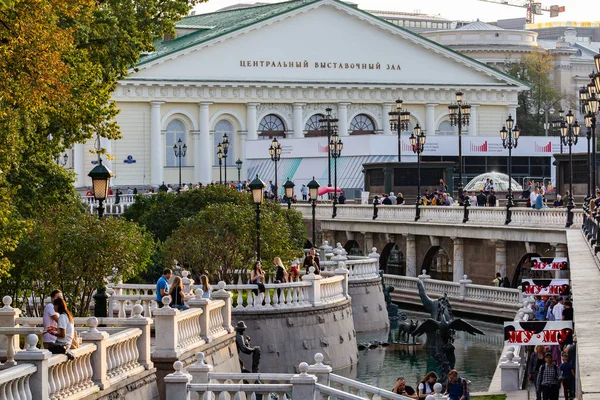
(459, 267)
(251, 121)
(156, 148)
(242, 155)
(500, 256)
(78, 165)
(343, 118)
(512, 110)
(411, 256)
(430, 119)
(197, 156)
(205, 153)
(385, 109)
(473, 120)
(298, 125)
(560, 250)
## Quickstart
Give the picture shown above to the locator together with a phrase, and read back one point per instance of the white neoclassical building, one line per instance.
(272, 71)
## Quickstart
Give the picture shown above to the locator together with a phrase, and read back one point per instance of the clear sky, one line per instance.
(576, 10)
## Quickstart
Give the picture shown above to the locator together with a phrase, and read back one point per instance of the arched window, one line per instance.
(175, 131)
(221, 128)
(271, 126)
(362, 125)
(313, 126)
(446, 129)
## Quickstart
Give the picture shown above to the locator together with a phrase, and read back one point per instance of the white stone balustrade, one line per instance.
(67, 378)
(111, 208)
(212, 320)
(521, 216)
(14, 382)
(179, 330)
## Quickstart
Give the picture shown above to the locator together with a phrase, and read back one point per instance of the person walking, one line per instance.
(162, 286)
(304, 192)
(50, 318)
(535, 361)
(548, 379)
(567, 377)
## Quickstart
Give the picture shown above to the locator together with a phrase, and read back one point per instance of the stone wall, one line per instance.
(287, 338)
(142, 386)
(368, 306)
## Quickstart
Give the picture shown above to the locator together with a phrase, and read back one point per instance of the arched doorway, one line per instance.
(353, 248)
(438, 264)
(392, 260)
(524, 271)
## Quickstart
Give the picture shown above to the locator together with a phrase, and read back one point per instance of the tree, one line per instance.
(535, 69)
(71, 250)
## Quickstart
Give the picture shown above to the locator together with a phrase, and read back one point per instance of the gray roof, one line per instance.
(479, 26)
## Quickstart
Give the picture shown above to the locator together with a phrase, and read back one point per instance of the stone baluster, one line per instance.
(437, 393)
(187, 282)
(343, 271)
(424, 275)
(314, 290)
(99, 357)
(463, 286)
(509, 373)
(144, 341)
(320, 370)
(224, 295)
(200, 370)
(303, 385)
(165, 322)
(204, 304)
(176, 383)
(38, 382)
(8, 317)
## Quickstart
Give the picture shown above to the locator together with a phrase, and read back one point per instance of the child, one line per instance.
(567, 376)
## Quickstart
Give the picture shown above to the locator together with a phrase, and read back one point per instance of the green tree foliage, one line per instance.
(221, 238)
(535, 69)
(69, 249)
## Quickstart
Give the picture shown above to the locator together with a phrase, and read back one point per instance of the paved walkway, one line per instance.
(585, 281)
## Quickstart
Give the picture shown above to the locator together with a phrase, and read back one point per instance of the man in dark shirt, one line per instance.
(342, 198)
(312, 260)
(492, 199)
(567, 314)
(481, 199)
(386, 200)
(403, 389)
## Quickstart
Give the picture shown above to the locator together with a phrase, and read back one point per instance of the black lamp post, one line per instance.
(417, 141)
(275, 153)
(100, 183)
(220, 158)
(225, 144)
(556, 124)
(399, 119)
(179, 149)
(335, 149)
(62, 161)
(569, 132)
(238, 164)
(459, 116)
(583, 97)
(289, 192)
(510, 139)
(313, 190)
(328, 127)
(258, 189)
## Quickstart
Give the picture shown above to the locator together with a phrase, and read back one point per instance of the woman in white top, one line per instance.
(206, 288)
(425, 387)
(65, 331)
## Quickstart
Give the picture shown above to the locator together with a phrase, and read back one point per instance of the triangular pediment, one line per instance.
(320, 41)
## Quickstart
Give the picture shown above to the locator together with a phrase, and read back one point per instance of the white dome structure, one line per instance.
(500, 182)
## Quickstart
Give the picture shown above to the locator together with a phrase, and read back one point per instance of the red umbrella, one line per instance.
(328, 189)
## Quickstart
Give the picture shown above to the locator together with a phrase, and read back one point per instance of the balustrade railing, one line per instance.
(14, 382)
(521, 216)
(69, 377)
(276, 295)
(188, 328)
(122, 355)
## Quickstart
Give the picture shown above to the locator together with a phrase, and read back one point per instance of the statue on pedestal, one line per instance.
(243, 346)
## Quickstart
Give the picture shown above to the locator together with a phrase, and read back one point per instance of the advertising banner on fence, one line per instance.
(549, 263)
(545, 287)
(538, 332)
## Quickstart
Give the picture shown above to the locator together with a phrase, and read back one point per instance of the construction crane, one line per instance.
(533, 8)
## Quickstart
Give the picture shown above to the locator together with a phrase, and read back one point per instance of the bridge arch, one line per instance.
(353, 248)
(438, 264)
(523, 271)
(392, 260)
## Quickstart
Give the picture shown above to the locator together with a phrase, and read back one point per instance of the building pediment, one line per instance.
(317, 42)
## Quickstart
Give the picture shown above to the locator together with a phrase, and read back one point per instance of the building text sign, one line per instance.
(319, 65)
(549, 263)
(538, 332)
(545, 287)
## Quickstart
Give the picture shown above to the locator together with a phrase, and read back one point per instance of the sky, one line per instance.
(467, 10)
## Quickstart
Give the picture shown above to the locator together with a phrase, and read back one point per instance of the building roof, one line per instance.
(213, 25)
(479, 26)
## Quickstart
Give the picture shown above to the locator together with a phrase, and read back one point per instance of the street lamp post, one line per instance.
(62, 161)
(460, 114)
(399, 119)
(100, 183)
(328, 127)
(179, 149)
(289, 192)
(569, 132)
(238, 164)
(510, 138)
(220, 158)
(275, 153)
(556, 124)
(258, 189)
(225, 144)
(313, 190)
(335, 149)
(417, 141)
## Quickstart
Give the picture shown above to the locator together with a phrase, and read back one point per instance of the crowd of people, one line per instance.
(457, 387)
